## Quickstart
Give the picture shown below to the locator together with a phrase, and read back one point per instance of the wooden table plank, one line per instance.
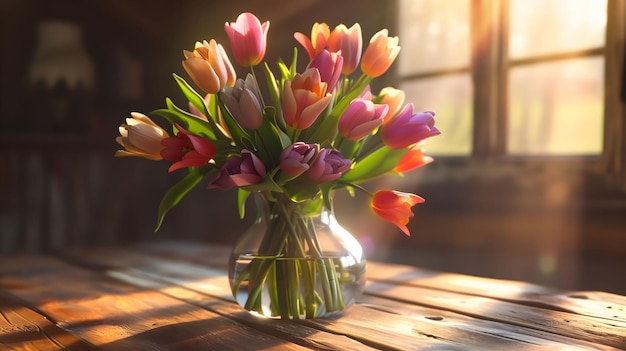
(601, 331)
(592, 304)
(113, 315)
(154, 271)
(358, 322)
(24, 329)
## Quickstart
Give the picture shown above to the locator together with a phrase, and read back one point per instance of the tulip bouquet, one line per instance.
(294, 144)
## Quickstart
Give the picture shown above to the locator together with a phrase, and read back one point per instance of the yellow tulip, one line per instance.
(141, 137)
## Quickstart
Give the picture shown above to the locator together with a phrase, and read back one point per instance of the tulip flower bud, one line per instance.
(209, 66)
(350, 43)
(329, 165)
(361, 118)
(415, 158)
(392, 97)
(295, 158)
(329, 65)
(312, 99)
(248, 39)
(243, 170)
(318, 42)
(141, 137)
(243, 103)
(407, 129)
(380, 54)
(395, 207)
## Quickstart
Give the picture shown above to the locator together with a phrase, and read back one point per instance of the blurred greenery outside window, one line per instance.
(515, 79)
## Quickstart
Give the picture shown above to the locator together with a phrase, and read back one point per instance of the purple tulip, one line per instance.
(243, 170)
(328, 166)
(407, 129)
(295, 158)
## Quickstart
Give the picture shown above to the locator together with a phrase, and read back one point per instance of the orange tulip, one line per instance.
(320, 33)
(304, 98)
(141, 137)
(380, 54)
(209, 66)
(415, 158)
(395, 207)
(392, 97)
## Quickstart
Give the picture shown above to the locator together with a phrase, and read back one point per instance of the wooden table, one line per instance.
(175, 296)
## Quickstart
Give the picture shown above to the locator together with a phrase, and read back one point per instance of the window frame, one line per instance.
(489, 67)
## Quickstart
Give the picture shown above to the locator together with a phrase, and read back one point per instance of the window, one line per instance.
(515, 78)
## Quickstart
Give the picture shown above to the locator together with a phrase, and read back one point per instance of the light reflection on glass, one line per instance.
(556, 108)
(553, 26)
(451, 98)
(434, 35)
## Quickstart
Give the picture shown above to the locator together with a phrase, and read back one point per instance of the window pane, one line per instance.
(556, 108)
(553, 26)
(450, 97)
(434, 35)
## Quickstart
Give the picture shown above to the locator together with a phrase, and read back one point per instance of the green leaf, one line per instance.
(242, 196)
(179, 190)
(186, 120)
(284, 70)
(294, 62)
(374, 165)
(196, 100)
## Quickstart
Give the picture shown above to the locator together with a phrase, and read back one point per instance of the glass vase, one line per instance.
(296, 262)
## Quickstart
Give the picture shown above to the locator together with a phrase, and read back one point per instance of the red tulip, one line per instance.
(415, 158)
(395, 207)
(187, 150)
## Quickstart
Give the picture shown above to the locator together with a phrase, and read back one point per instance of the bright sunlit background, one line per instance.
(529, 178)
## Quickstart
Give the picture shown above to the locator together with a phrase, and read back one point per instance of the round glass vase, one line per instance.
(296, 262)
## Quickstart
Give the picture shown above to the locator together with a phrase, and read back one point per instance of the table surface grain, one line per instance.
(175, 296)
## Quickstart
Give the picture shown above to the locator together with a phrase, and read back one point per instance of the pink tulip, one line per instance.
(295, 158)
(361, 118)
(248, 39)
(350, 43)
(243, 170)
(304, 98)
(320, 34)
(329, 165)
(141, 137)
(395, 207)
(329, 65)
(187, 150)
(407, 129)
(209, 66)
(242, 102)
(380, 54)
